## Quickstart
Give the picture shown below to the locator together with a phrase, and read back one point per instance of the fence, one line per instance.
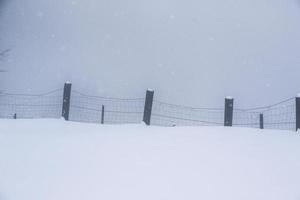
(25, 106)
(76, 106)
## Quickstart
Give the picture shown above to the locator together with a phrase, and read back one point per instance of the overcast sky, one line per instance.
(191, 52)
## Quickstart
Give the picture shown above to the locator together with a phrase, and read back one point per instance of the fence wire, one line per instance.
(165, 114)
(87, 108)
(27, 106)
(281, 115)
(248, 119)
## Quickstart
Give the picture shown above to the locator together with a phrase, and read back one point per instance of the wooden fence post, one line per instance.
(298, 112)
(261, 121)
(228, 115)
(102, 115)
(148, 106)
(66, 100)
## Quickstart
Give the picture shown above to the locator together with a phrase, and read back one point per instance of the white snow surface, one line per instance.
(58, 160)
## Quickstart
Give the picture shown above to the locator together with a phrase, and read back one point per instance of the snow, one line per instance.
(229, 97)
(53, 159)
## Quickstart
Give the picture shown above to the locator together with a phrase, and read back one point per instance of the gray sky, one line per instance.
(191, 52)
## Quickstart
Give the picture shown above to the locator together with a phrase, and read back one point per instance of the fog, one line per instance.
(192, 52)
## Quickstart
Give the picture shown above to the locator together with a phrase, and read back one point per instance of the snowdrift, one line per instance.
(54, 159)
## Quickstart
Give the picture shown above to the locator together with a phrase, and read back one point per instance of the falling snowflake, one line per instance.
(40, 14)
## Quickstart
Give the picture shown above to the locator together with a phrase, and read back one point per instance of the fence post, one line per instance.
(148, 106)
(298, 112)
(228, 115)
(102, 115)
(261, 121)
(66, 100)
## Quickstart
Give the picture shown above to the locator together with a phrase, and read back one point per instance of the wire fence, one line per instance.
(27, 106)
(281, 115)
(165, 114)
(99, 109)
(87, 108)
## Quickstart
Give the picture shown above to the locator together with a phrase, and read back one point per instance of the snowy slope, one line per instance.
(57, 160)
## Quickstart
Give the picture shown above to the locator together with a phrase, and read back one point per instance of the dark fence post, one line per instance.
(66, 100)
(261, 121)
(148, 106)
(228, 111)
(102, 115)
(297, 112)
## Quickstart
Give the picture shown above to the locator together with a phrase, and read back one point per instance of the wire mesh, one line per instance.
(27, 106)
(245, 119)
(87, 108)
(281, 115)
(164, 114)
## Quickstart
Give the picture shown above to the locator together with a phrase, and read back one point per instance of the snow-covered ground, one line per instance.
(58, 160)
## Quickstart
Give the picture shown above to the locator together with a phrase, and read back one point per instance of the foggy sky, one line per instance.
(192, 52)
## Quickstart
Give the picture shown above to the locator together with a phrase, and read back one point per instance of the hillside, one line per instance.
(54, 159)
